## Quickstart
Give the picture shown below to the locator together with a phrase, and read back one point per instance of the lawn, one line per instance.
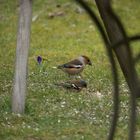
(53, 113)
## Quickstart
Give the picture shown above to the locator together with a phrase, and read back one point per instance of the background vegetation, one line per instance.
(60, 32)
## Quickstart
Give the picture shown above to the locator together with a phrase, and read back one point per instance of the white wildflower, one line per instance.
(99, 94)
(18, 115)
(54, 67)
(28, 126)
(36, 129)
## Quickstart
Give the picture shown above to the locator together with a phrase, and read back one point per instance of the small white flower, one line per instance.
(19, 115)
(63, 102)
(91, 26)
(54, 67)
(34, 18)
(62, 106)
(73, 25)
(36, 129)
(28, 126)
(125, 90)
(76, 111)
(99, 94)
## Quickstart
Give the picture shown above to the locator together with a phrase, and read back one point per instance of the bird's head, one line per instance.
(83, 84)
(87, 60)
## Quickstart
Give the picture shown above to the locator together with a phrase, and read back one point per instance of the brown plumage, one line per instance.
(75, 66)
(76, 85)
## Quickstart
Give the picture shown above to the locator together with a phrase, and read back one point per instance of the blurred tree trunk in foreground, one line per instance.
(23, 41)
(122, 52)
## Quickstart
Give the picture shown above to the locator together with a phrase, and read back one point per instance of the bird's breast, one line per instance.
(73, 71)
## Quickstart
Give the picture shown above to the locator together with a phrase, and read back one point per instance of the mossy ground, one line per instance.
(53, 113)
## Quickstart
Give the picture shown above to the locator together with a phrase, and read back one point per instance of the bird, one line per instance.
(76, 85)
(75, 66)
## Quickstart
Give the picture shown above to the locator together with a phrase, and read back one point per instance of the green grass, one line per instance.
(53, 113)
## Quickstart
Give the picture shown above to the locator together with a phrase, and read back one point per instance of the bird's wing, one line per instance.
(67, 85)
(71, 86)
(75, 86)
(73, 64)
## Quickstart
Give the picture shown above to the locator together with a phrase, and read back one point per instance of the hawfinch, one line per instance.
(75, 66)
(76, 85)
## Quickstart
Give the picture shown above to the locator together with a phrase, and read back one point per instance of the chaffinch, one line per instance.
(75, 66)
(76, 85)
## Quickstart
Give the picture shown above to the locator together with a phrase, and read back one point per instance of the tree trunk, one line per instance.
(23, 41)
